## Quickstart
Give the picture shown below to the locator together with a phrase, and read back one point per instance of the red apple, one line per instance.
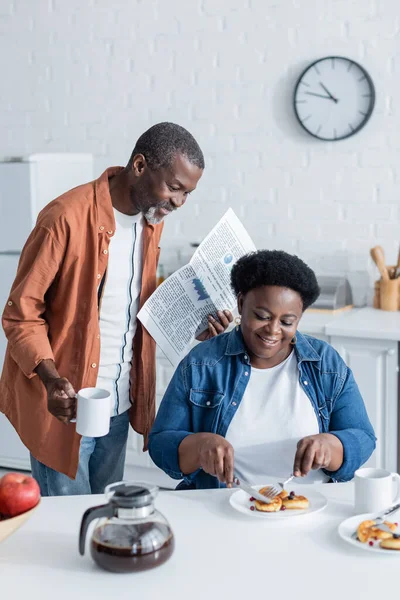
(18, 493)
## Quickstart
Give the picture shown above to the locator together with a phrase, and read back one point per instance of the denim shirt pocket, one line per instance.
(206, 398)
(206, 409)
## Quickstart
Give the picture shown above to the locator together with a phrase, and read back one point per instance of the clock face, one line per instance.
(334, 98)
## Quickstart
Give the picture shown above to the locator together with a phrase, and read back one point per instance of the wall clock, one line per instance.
(334, 98)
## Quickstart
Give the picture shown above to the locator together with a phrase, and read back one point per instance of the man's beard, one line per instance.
(141, 200)
(150, 216)
(150, 213)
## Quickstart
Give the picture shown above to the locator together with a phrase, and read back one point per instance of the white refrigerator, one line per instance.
(27, 184)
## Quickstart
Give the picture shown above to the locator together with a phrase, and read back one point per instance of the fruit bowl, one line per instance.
(8, 526)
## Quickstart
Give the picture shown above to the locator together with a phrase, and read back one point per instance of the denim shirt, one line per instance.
(208, 386)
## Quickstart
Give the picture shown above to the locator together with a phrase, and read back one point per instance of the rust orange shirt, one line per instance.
(52, 312)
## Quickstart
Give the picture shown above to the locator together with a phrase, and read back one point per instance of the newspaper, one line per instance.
(178, 310)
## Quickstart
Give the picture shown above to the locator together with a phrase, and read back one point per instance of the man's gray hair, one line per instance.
(163, 141)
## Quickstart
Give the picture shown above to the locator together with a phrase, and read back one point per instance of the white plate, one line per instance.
(349, 526)
(241, 502)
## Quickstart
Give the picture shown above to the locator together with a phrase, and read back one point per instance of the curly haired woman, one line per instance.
(263, 399)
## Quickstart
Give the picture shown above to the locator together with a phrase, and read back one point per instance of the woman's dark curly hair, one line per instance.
(275, 267)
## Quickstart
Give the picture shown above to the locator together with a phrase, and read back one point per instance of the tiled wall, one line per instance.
(91, 76)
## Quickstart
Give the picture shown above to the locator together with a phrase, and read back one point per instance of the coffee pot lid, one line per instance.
(126, 494)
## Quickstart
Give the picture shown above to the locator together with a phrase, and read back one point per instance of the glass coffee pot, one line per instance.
(131, 534)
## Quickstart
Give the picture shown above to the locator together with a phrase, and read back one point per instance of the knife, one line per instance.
(380, 519)
(397, 272)
(382, 527)
(252, 492)
(387, 512)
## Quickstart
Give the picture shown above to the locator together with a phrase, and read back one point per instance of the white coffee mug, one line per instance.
(374, 490)
(93, 412)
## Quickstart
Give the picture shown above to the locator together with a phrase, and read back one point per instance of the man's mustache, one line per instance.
(166, 206)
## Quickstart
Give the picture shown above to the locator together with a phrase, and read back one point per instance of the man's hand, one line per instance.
(216, 326)
(323, 450)
(61, 400)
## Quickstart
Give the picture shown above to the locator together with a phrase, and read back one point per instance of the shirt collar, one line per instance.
(105, 213)
(235, 343)
(303, 348)
(106, 220)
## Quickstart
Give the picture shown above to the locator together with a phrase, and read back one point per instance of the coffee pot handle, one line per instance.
(96, 512)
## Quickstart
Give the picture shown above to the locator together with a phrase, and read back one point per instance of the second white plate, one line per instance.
(349, 526)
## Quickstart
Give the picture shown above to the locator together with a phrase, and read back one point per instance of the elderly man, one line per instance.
(85, 271)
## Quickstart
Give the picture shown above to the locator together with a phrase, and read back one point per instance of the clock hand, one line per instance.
(328, 92)
(319, 95)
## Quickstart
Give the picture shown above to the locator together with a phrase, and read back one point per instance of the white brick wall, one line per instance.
(92, 76)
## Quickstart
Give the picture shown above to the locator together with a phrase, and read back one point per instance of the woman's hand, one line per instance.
(216, 457)
(216, 326)
(323, 450)
(207, 451)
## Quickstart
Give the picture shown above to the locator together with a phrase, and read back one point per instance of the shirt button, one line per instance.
(98, 275)
(246, 357)
(305, 382)
(98, 336)
(105, 251)
(101, 228)
(233, 403)
(109, 232)
(208, 403)
(93, 365)
(246, 373)
(9, 303)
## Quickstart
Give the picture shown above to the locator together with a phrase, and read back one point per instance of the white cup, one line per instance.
(374, 490)
(93, 412)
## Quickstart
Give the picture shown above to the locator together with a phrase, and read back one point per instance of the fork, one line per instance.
(286, 481)
(273, 491)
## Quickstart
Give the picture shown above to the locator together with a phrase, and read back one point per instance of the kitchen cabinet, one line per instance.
(368, 341)
(375, 367)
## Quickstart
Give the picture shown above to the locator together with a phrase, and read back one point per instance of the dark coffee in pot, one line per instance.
(132, 548)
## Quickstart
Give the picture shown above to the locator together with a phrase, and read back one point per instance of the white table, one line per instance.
(220, 553)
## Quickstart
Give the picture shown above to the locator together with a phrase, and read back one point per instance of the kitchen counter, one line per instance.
(220, 553)
(365, 322)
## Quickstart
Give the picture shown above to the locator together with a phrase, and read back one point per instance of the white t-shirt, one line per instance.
(118, 310)
(273, 416)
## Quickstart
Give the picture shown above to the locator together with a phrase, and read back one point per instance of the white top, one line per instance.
(274, 414)
(118, 310)
(243, 557)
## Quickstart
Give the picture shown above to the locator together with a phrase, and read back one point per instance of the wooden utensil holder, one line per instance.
(387, 294)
